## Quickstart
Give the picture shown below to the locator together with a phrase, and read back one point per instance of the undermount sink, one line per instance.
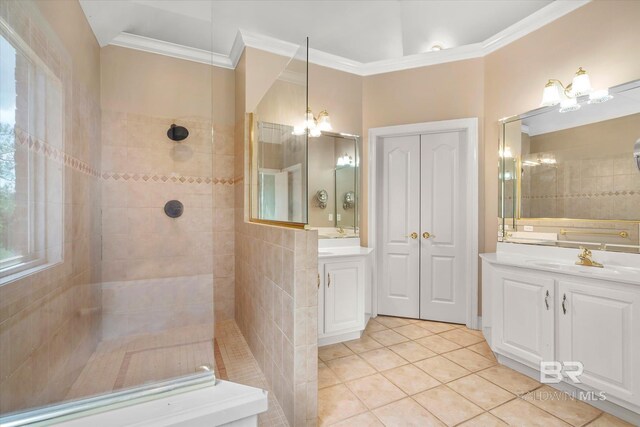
(547, 264)
(575, 267)
(325, 253)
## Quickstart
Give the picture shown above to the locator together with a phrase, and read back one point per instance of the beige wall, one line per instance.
(615, 136)
(340, 94)
(48, 323)
(601, 36)
(441, 92)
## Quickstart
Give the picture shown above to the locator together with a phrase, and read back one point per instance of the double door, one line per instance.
(423, 239)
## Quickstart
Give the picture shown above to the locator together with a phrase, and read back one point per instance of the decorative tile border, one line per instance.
(41, 147)
(581, 195)
(159, 178)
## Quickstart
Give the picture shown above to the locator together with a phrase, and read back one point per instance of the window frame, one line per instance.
(37, 255)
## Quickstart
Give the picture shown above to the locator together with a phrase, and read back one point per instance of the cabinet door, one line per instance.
(599, 326)
(523, 316)
(344, 296)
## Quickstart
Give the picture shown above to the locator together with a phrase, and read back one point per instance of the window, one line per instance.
(31, 112)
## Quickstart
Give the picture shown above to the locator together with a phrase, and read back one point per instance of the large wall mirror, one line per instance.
(573, 178)
(333, 185)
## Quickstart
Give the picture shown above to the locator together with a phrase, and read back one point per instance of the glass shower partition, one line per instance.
(281, 125)
(108, 194)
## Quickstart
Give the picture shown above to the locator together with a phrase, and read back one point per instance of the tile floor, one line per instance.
(135, 360)
(405, 372)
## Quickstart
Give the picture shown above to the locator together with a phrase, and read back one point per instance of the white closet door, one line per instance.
(443, 276)
(399, 289)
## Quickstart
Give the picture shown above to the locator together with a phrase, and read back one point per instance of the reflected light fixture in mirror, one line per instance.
(314, 126)
(567, 96)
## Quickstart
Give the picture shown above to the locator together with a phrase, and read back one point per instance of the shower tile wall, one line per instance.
(588, 189)
(158, 272)
(49, 321)
(277, 311)
(142, 170)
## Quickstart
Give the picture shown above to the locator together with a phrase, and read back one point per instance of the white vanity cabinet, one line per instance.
(342, 279)
(523, 316)
(599, 326)
(551, 310)
(343, 296)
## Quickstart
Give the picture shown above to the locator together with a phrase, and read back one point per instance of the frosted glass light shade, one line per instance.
(569, 104)
(598, 96)
(581, 84)
(551, 95)
(324, 122)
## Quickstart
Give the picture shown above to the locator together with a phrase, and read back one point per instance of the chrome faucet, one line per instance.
(585, 259)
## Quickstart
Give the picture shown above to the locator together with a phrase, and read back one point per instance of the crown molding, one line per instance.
(244, 38)
(174, 50)
(336, 62)
(531, 23)
(422, 60)
(269, 44)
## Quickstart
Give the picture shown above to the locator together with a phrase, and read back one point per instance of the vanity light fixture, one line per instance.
(567, 96)
(314, 126)
(324, 121)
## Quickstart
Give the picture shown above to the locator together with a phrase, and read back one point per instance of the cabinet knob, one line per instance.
(413, 235)
(427, 235)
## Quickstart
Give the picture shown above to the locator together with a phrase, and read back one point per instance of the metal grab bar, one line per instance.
(622, 234)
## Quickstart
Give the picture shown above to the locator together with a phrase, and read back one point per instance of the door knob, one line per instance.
(413, 235)
(427, 235)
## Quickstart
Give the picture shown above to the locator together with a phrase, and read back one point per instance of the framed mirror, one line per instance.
(572, 178)
(333, 172)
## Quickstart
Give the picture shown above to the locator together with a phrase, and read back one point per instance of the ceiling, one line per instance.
(362, 31)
